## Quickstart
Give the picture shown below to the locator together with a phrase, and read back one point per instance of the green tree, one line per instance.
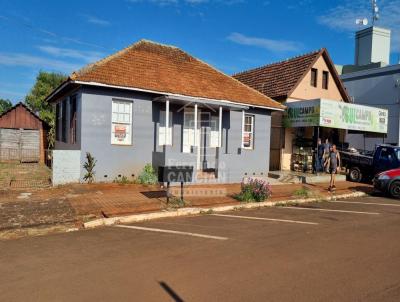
(45, 83)
(4, 105)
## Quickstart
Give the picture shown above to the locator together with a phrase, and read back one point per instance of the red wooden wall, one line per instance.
(20, 117)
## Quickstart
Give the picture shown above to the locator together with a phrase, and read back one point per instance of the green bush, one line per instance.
(148, 175)
(254, 190)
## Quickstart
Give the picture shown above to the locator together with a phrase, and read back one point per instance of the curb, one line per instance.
(196, 211)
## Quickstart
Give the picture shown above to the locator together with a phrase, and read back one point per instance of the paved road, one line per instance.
(330, 252)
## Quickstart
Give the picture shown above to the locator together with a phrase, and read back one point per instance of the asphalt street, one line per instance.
(332, 251)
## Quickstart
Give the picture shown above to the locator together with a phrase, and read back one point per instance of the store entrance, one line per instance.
(305, 142)
(277, 141)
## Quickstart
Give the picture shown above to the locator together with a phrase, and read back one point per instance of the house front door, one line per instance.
(207, 137)
(277, 141)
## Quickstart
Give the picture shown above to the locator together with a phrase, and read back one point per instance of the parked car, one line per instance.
(388, 182)
(364, 167)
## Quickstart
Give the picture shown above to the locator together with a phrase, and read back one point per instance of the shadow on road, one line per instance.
(170, 292)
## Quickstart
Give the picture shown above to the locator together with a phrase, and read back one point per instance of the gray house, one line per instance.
(152, 103)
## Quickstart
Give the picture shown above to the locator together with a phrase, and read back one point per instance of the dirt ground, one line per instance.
(72, 205)
(24, 175)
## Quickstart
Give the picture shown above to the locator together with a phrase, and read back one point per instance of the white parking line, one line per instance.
(267, 219)
(330, 210)
(368, 203)
(171, 232)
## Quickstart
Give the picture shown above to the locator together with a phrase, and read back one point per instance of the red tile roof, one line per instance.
(279, 79)
(167, 69)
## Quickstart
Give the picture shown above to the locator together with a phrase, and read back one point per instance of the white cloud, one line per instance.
(25, 60)
(10, 93)
(196, 1)
(159, 2)
(269, 44)
(83, 55)
(96, 20)
(191, 2)
(343, 17)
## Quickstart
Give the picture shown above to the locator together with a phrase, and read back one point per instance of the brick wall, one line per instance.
(66, 166)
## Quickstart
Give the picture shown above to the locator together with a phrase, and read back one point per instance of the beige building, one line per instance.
(304, 84)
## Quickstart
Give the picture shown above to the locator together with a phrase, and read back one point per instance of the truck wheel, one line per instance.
(355, 174)
(394, 189)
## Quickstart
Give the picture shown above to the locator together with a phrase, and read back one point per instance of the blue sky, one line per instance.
(232, 35)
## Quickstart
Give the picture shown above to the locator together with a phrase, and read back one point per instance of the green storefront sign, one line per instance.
(334, 114)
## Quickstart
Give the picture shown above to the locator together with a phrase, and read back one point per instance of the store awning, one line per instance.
(334, 114)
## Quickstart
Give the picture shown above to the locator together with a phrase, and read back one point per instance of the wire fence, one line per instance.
(20, 155)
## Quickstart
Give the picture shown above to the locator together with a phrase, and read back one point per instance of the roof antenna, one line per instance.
(375, 15)
(375, 11)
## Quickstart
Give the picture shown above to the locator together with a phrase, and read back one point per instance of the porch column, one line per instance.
(220, 127)
(195, 125)
(241, 137)
(166, 121)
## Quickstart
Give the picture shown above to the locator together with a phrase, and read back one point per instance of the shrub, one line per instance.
(123, 180)
(89, 167)
(148, 176)
(254, 190)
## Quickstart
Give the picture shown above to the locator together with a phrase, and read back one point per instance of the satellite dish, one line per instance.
(362, 21)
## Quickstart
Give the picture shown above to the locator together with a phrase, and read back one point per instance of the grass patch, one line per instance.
(176, 203)
(124, 180)
(302, 192)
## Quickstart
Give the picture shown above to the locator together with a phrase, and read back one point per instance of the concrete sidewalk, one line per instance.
(75, 205)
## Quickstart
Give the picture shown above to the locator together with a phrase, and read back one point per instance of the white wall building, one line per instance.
(371, 81)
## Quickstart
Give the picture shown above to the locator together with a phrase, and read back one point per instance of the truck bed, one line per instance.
(355, 159)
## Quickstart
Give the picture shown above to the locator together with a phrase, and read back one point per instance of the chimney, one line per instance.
(372, 46)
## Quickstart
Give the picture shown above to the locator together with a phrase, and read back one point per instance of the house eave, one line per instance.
(57, 90)
(174, 95)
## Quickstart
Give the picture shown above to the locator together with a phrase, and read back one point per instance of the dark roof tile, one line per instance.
(278, 79)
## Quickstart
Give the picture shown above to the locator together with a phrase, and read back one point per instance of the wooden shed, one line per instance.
(23, 135)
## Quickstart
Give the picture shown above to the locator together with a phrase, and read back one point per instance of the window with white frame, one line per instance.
(188, 130)
(248, 132)
(214, 134)
(165, 136)
(121, 128)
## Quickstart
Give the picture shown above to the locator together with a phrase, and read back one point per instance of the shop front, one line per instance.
(306, 121)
